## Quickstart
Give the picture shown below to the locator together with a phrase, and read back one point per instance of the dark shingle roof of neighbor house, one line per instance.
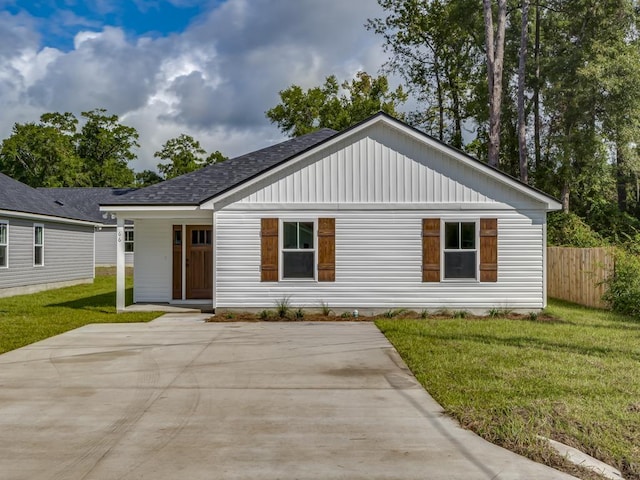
(15, 196)
(88, 199)
(196, 187)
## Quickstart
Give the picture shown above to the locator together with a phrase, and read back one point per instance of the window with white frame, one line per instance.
(128, 240)
(4, 244)
(38, 245)
(298, 250)
(460, 250)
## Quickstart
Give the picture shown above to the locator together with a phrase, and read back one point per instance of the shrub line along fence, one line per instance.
(577, 274)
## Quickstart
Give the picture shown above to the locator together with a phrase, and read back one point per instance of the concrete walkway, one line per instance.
(181, 399)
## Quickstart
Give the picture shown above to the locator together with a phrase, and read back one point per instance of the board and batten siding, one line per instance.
(68, 254)
(385, 167)
(378, 263)
(106, 248)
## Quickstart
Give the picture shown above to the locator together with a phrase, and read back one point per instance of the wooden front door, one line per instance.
(199, 262)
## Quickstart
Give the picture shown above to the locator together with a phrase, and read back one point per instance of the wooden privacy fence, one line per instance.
(577, 274)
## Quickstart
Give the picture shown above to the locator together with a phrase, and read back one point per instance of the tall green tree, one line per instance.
(436, 47)
(43, 154)
(303, 111)
(184, 154)
(106, 147)
(53, 153)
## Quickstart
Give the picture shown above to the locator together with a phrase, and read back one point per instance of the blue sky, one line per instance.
(59, 21)
(209, 69)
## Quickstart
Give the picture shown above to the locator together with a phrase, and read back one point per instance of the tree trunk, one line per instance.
(440, 96)
(565, 196)
(621, 180)
(456, 140)
(522, 126)
(495, 58)
(536, 92)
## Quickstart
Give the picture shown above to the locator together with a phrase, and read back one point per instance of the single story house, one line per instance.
(43, 243)
(375, 217)
(87, 200)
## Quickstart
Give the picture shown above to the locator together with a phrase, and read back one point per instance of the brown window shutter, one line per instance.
(489, 250)
(326, 249)
(431, 250)
(269, 246)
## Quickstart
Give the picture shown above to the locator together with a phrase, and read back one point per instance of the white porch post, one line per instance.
(120, 265)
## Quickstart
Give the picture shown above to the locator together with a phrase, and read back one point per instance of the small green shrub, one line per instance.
(499, 312)
(460, 314)
(424, 314)
(299, 314)
(394, 313)
(283, 307)
(266, 314)
(229, 315)
(623, 287)
(346, 315)
(326, 311)
(533, 316)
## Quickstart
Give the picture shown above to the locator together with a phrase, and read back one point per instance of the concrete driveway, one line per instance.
(182, 399)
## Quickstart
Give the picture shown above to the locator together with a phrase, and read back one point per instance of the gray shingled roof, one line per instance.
(197, 187)
(87, 200)
(18, 197)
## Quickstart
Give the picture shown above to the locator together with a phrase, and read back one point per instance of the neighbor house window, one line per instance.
(38, 245)
(4, 244)
(460, 250)
(128, 240)
(298, 250)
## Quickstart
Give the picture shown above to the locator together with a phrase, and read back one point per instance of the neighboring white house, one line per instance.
(378, 216)
(87, 200)
(43, 243)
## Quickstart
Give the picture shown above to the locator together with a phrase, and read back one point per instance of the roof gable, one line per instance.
(379, 166)
(488, 177)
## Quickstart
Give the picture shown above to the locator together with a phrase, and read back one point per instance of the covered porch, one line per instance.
(175, 261)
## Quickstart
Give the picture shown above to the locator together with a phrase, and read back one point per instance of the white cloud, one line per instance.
(213, 81)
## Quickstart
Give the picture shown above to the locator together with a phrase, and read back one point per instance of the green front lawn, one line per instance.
(575, 380)
(25, 319)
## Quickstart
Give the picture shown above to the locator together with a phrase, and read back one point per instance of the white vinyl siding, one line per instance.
(68, 254)
(106, 247)
(153, 264)
(378, 263)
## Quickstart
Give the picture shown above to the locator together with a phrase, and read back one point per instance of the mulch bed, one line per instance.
(319, 317)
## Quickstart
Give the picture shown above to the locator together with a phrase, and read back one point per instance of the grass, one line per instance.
(25, 319)
(575, 380)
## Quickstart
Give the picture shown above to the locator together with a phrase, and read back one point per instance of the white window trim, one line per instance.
(443, 277)
(6, 223)
(129, 230)
(281, 249)
(35, 226)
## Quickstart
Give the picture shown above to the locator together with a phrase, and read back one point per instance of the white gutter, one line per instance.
(46, 218)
